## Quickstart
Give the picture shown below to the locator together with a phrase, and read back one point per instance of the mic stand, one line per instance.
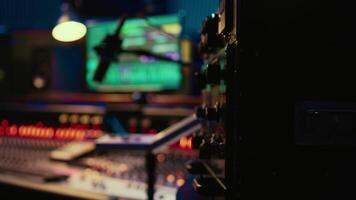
(108, 51)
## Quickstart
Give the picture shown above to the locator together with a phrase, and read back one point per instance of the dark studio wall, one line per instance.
(29, 14)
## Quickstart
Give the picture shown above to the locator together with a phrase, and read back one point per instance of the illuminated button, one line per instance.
(39, 82)
(71, 133)
(161, 157)
(189, 144)
(63, 118)
(44, 132)
(180, 182)
(50, 132)
(31, 131)
(37, 132)
(58, 133)
(183, 142)
(84, 119)
(96, 120)
(146, 123)
(79, 134)
(170, 178)
(73, 119)
(23, 130)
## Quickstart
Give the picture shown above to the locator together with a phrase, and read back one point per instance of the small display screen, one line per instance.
(131, 72)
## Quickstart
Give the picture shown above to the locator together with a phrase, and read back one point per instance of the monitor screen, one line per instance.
(156, 34)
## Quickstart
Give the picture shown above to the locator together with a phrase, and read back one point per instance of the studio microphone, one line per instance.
(110, 48)
(108, 51)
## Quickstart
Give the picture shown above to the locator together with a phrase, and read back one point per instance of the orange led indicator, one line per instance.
(180, 182)
(170, 178)
(183, 142)
(189, 145)
(13, 130)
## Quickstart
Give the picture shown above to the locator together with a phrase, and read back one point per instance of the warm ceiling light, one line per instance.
(69, 28)
(69, 31)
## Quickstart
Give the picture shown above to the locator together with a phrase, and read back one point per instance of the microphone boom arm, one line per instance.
(110, 48)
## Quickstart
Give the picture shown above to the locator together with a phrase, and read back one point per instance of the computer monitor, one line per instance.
(157, 34)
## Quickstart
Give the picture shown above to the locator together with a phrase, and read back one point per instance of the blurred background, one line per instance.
(177, 99)
(98, 98)
(34, 61)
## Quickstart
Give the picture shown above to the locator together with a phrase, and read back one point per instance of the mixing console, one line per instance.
(110, 173)
(53, 147)
(30, 156)
(123, 173)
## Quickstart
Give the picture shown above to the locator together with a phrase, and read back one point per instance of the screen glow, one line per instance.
(158, 34)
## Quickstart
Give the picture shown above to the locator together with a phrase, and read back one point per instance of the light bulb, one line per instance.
(69, 31)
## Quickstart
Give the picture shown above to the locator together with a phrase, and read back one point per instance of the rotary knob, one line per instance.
(201, 80)
(212, 114)
(197, 140)
(200, 112)
(213, 74)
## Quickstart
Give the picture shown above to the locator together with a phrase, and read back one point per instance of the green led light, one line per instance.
(222, 86)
